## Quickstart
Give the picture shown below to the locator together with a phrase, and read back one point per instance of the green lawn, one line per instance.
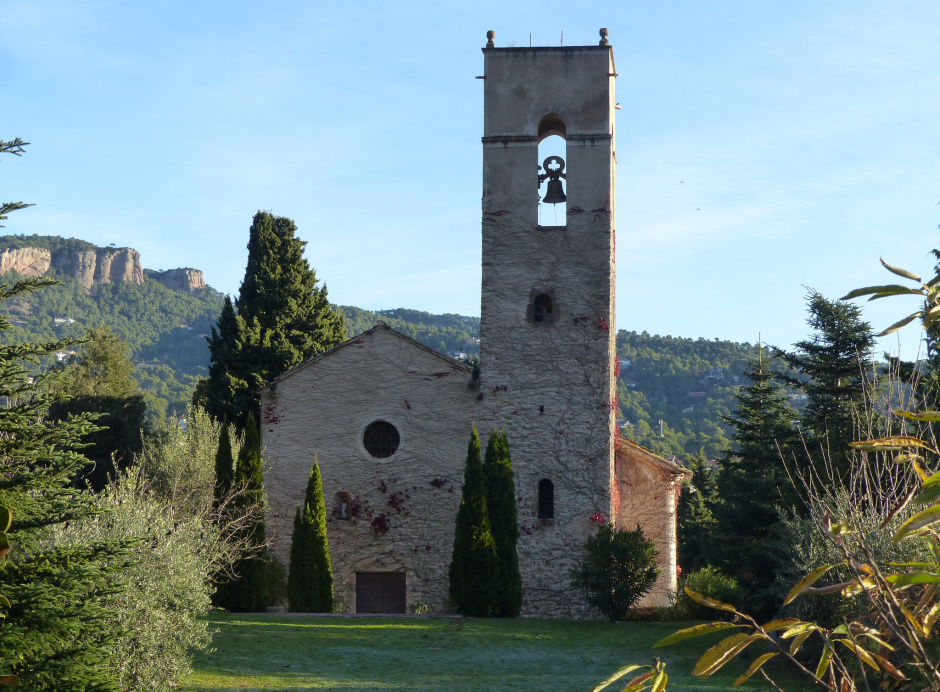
(281, 652)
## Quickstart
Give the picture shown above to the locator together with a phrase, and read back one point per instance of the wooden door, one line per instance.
(380, 592)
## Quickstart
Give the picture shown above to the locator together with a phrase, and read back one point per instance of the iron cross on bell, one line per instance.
(555, 191)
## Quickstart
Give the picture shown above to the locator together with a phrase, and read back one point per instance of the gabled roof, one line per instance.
(634, 452)
(357, 340)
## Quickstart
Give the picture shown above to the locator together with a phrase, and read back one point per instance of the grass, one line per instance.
(261, 652)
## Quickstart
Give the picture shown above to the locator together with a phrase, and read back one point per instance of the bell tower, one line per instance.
(547, 328)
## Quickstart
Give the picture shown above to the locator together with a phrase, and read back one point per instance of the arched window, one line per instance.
(542, 308)
(553, 152)
(546, 499)
(381, 439)
(341, 511)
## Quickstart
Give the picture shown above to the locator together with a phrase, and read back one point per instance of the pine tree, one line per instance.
(753, 483)
(832, 365)
(474, 567)
(310, 580)
(280, 319)
(248, 591)
(501, 507)
(52, 636)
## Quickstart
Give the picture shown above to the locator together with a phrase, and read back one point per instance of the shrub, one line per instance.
(617, 570)
(165, 505)
(709, 582)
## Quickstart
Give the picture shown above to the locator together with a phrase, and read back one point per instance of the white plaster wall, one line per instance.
(323, 408)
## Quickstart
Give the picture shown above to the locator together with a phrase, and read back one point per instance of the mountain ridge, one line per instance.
(89, 264)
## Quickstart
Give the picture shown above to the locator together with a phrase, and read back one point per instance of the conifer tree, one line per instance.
(695, 523)
(310, 580)
(100, 380)
(280, 319)
(474, 566)
(248, 591)
(833, 365)
(501, 506)
(52, 637)
(753, 482)
(224, 466)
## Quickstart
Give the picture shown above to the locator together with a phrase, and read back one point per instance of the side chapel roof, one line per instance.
(357, 340)
(628, 450)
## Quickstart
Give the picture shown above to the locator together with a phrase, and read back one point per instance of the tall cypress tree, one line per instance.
(501, 506)
(248, 591)
(474, 566)
(310, 580)
(281, 318)
(224, 465)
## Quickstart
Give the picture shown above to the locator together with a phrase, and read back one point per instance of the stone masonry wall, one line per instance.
(647, 497)
(403, 508)
(550, 383)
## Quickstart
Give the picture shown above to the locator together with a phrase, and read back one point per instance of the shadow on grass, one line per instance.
(472, 655)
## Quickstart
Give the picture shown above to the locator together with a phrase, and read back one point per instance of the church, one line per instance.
(389, 419)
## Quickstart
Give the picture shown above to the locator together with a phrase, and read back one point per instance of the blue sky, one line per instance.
(804, 135)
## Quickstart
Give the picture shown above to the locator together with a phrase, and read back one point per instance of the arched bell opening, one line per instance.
(553, 151)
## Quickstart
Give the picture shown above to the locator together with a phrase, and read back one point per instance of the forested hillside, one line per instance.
(688, 384)
(165, 329)
(451, 334)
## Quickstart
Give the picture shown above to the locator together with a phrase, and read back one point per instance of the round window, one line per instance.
(381, 439)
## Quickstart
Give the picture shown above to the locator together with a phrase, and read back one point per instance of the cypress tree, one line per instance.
(224, 466)
(248, 590)
(501, 506)
(474, 566)
(281, 318)
(310, 580)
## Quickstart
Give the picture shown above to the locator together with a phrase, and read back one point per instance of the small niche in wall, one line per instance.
(341, 511)
(542, 307)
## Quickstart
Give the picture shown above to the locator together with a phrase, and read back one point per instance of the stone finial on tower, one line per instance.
(490, 35)
(603, 41)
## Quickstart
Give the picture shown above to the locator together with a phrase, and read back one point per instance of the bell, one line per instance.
(554, 192)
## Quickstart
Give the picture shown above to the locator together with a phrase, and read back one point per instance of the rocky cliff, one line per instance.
(28, 261)
(99, 266)
(185, 279)
(92, 266)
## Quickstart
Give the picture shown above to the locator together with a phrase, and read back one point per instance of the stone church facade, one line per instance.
(389, 419)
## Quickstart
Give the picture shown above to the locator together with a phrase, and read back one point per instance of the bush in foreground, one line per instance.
(617, 570)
